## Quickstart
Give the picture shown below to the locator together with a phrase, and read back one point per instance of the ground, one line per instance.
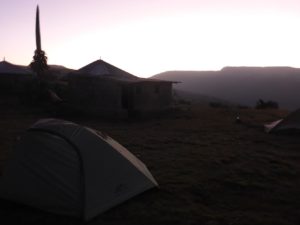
(210, 170)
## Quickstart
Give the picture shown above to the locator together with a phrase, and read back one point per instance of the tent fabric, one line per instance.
(289, 124)
(61, 167)
(270, 126)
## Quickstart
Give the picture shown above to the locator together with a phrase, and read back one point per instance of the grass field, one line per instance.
(210, 169)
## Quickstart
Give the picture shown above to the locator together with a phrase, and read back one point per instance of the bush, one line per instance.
(260, 104)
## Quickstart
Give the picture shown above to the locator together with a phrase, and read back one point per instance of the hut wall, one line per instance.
(15, 83)
(152, 96)
(98, 96)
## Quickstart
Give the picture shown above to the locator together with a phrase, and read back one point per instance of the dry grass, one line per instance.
(210, 169)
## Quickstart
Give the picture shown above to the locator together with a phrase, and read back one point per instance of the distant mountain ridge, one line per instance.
(243, 85)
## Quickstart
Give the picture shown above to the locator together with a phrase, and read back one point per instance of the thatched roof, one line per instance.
(9, 68)
(104, 69)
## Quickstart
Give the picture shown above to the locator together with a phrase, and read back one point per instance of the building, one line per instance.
(97, 88)
(101, 88)
(14, 78)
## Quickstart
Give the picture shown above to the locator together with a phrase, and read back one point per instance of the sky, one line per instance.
(146, 37)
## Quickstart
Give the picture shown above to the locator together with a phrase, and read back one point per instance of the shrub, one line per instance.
(260, 104)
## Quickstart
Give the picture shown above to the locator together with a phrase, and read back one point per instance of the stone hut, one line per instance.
(14, 78)
(103, 89)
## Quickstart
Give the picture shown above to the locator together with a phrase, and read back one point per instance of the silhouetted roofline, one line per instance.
(102, 68)
(9, 68)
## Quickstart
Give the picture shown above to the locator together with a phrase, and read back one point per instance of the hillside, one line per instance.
(196, 98)
(211, 170)
(243, 85)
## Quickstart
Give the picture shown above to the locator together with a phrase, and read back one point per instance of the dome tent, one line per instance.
(289, 124)
(61, 167)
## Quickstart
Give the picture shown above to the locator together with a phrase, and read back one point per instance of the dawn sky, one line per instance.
(145, 37)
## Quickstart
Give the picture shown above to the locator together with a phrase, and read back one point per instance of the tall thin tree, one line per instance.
(39, 63)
